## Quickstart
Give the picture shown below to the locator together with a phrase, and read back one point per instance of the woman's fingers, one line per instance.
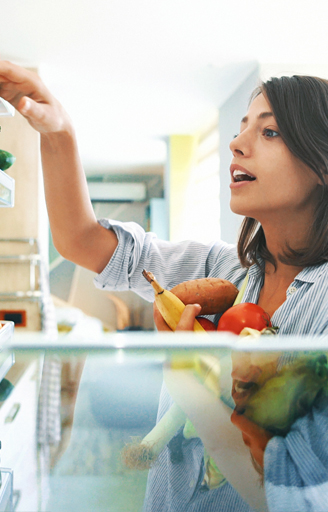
(159, 320)
(188, 317)
(186, 322)
(27, 93)
(16, 81)
(43, 117)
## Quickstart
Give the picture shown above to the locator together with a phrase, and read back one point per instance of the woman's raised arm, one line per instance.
(75, 230)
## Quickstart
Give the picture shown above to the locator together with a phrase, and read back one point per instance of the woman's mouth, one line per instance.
(240, 175)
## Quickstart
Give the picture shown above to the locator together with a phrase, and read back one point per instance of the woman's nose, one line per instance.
(239, 146)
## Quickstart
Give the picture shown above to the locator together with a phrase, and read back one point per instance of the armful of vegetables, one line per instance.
(214, 296)
(273, 408)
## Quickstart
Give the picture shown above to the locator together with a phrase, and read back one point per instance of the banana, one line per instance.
(168, 304)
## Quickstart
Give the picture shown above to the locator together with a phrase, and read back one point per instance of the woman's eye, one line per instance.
(236, 135)
(270, 133)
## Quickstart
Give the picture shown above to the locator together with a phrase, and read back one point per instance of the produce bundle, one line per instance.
(278, 400)
(214, 296)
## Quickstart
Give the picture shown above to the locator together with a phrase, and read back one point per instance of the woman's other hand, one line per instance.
(186, 322)
(25, 90)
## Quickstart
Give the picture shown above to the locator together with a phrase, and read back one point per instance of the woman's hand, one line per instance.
(186, 322)
(255, 437)
(76, 234)
(25, 90)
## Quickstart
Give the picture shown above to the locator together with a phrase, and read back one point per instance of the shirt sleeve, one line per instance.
(295, 466)
(171, 263)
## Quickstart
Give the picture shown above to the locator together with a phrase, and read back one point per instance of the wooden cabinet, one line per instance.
(23, 228)
(25, 222)
(18, 420)
(20, 139)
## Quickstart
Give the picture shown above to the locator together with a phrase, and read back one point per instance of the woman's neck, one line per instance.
(277, 280)
(283, 234)
(279, 239)
(282, 272)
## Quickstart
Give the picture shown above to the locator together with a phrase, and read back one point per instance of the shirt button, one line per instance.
(292, 289)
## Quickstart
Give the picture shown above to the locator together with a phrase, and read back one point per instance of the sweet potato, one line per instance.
(215, 295)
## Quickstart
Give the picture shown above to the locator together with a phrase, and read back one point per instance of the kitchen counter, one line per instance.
(79, 397)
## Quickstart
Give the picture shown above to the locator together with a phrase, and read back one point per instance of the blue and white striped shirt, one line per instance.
(296, 466)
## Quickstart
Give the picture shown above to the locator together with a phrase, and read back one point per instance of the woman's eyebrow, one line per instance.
(263, 115)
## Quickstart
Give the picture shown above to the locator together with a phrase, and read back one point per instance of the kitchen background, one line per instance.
(156, 91)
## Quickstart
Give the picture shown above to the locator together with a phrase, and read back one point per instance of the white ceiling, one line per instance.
(130, 72)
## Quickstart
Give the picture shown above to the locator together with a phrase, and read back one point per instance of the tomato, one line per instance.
(206, 324)
(244, 315)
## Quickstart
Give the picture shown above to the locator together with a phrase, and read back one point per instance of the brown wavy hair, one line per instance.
(300, 106)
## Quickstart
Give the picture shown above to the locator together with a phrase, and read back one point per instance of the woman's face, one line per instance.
(266, 178)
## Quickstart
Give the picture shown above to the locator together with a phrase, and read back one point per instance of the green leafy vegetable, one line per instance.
(6, 160)
(289, 395)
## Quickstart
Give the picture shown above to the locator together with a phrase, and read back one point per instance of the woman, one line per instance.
(282, 147)
(279, 183)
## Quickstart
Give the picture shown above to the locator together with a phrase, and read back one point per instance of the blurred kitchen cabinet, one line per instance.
(18, 420)
(23, 228)
(7, 190)
(20, 285)
(26, 219)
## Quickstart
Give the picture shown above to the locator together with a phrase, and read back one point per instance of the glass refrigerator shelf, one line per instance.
(6, 109)
(7, 190)
(7, 358)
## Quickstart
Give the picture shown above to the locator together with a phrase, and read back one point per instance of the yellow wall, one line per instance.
(182, 153)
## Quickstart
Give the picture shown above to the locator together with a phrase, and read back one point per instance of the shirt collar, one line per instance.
(307, 275)
(256, 270)
(311, 274)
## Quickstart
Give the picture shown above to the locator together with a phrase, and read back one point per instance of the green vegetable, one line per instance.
(189, 430)
(142, 455)
(6, 160)
(289, 395)
(6, 388)
(213, 476)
